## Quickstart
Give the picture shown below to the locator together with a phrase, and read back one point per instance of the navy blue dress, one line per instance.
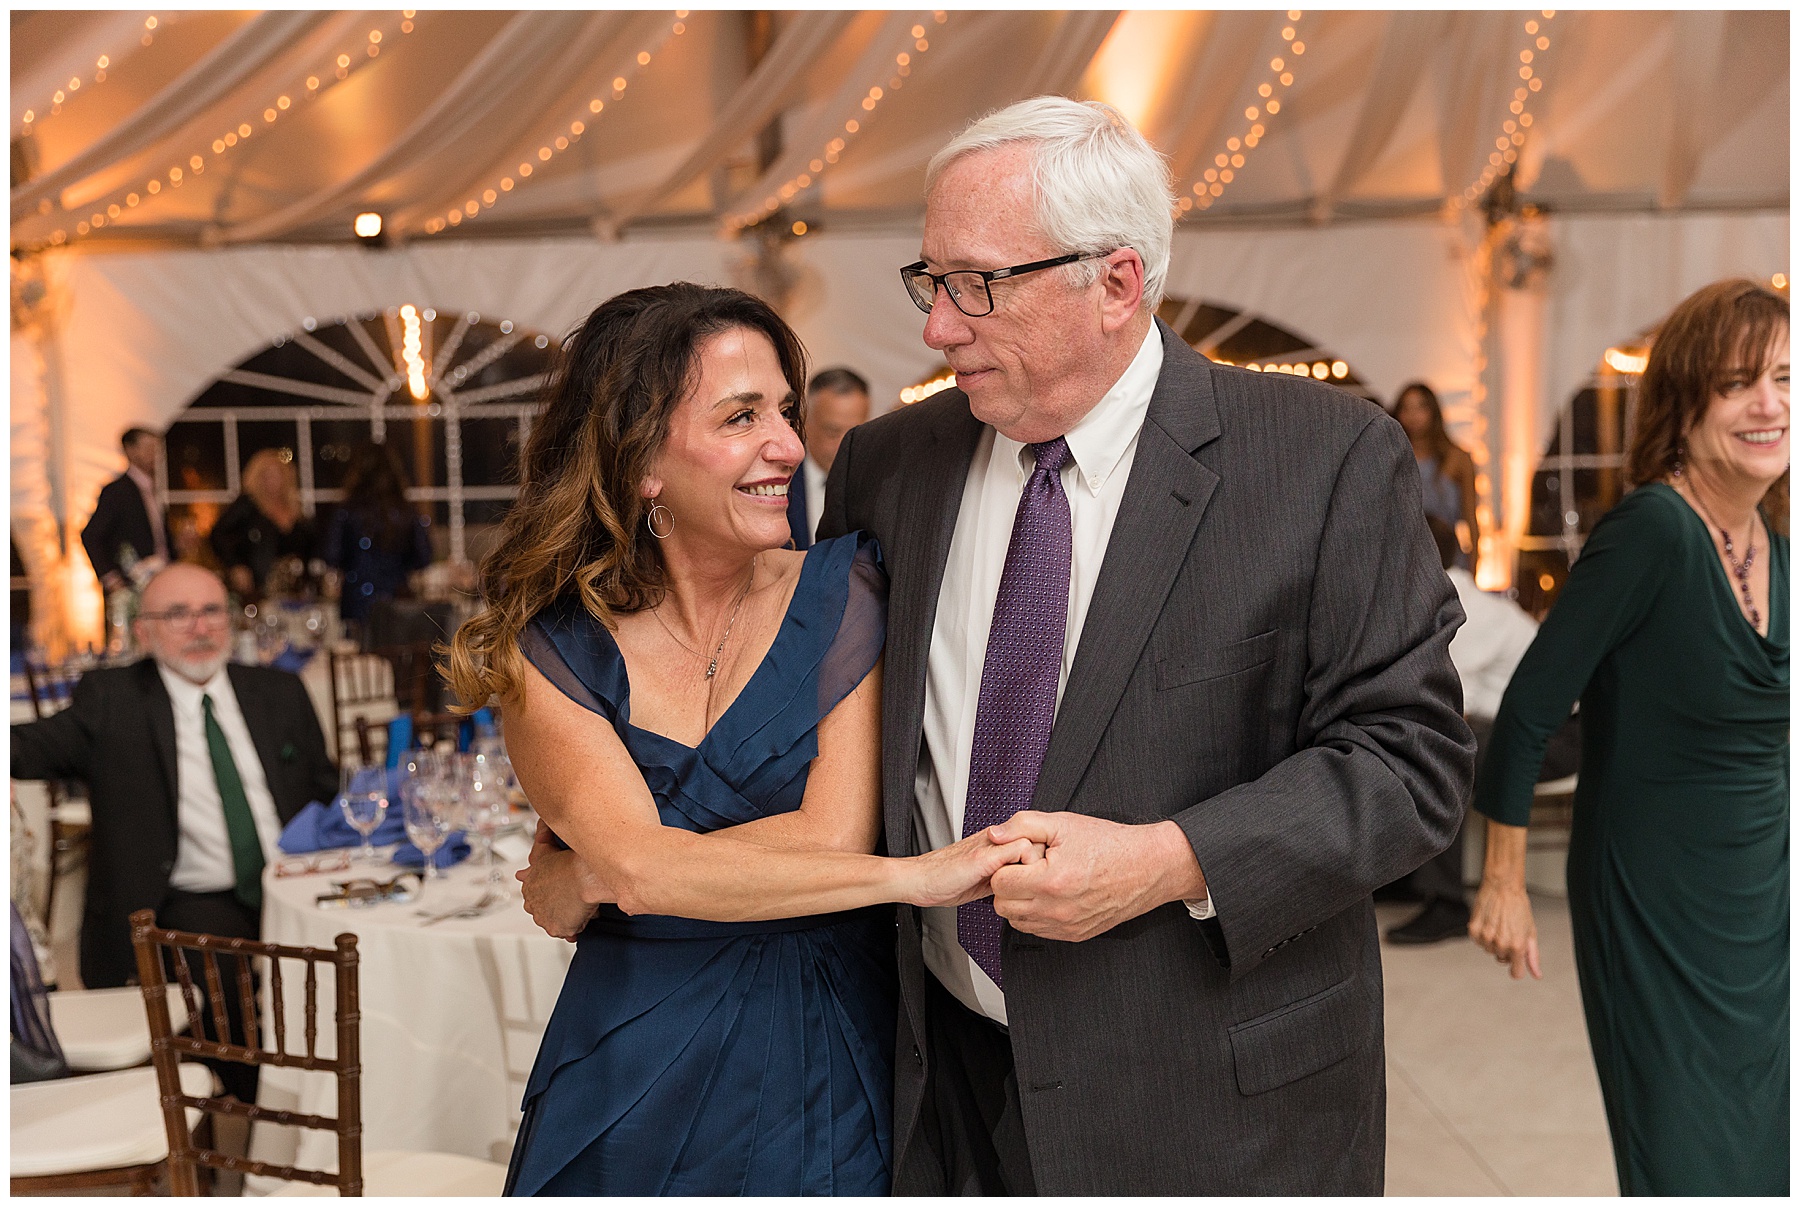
(722, 1058)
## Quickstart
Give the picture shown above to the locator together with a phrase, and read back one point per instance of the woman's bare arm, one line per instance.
(1501, 921)
(583, 783)
(841, 810)
(1465, 480)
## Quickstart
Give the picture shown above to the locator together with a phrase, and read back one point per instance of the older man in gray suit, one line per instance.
(1183, 625)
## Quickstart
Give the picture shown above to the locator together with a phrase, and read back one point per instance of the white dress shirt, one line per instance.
(1101, 447)
(1487, 648)
(203, 861)
(815, 495)
(159, 541)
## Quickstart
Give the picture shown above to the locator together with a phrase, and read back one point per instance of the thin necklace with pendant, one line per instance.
(712, 667)
(1739, 570)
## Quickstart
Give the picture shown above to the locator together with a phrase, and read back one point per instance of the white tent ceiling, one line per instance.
(192, 190)
(703, 117)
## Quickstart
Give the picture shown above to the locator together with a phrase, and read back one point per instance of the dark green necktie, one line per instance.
(246, 847)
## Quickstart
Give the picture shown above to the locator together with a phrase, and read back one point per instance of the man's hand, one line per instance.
(561, 891)
(1094, 874)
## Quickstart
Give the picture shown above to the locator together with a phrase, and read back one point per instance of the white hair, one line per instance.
(1098, 184)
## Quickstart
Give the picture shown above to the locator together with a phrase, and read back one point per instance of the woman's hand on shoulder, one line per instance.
(1501, 923)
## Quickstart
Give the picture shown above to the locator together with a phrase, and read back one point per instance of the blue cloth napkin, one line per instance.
(292, 661)
(320, 827)
(455, 849)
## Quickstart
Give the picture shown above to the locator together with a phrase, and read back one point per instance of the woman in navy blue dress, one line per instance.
(694, 711)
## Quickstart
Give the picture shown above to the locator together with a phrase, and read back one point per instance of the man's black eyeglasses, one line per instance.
(968, 287)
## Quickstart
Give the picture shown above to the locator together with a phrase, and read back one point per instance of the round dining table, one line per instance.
(453, 1010)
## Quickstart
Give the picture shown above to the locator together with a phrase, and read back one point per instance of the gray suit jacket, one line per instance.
(1265, 661)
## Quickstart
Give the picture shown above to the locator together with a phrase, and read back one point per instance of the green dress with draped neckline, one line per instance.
(1678, 857)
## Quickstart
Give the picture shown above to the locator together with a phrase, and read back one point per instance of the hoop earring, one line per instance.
(1680, 456)
(668, 519)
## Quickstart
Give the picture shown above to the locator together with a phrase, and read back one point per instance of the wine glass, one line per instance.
(487, 802)
(430, 815)
(364, 802)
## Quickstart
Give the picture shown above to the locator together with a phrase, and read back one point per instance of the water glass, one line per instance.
(429, 809)
(364, 802)
(484, 783)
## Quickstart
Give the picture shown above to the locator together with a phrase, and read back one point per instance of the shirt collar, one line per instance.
(141, 478)
(1098, 442)
(185, 691)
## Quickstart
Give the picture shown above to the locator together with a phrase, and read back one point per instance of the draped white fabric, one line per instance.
(1658, 146)
(1388, 113)
(142, 334)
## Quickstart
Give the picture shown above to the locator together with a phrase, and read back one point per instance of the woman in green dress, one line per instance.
(1672, 630)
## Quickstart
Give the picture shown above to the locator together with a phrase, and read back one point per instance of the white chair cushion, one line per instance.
(102, 1121)
(411, 1175)
(102, 1029)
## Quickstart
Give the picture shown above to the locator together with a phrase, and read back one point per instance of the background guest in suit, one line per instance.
(1487, 647)
(264, 527)
(836, 401)
(126, 516)
(1216, 582)
(376, 538)
(192, 768)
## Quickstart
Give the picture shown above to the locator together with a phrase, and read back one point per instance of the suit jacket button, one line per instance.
(918, 1056)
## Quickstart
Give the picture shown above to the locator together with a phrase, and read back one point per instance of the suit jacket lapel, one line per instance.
(265, 732)
(797, 509)
(916, 550)
(161, 714)
(1164, 501)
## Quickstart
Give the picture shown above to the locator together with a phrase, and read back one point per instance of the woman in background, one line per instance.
(376, 538)
(1446, 471)
(1673, 631)
(264, 527)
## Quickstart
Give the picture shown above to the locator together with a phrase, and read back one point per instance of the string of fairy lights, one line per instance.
(834, 147)
(42, 112)
(110, 206)
(1511, 139)
(1227, 163)
(566, 137)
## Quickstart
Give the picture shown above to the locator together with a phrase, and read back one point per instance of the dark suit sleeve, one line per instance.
(321, 772)
(1381, 777)
(834, 517)
(99, 538)
(59, 746)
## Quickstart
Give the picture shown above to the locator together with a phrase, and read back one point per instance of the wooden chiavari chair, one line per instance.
(381, 1173)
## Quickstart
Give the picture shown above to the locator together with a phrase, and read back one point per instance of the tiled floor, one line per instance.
(1490, 1086)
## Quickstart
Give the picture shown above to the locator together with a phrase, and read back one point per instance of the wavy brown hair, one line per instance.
(1726, 328)
(579, 523)
(1437, 439)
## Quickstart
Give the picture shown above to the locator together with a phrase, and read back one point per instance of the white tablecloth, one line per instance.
(452, 1015)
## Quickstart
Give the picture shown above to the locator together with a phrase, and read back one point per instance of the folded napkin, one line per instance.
(320, 827)
(455, 849)
(292, 660)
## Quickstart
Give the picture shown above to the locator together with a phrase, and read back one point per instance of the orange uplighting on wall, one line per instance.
(1136, 64)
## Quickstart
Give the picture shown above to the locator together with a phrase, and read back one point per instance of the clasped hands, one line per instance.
(1063, 876)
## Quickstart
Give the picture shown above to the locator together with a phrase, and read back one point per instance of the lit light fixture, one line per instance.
(411, 351)
(921, 392)
(1779, 280)
(368, 226)
(1622, 360)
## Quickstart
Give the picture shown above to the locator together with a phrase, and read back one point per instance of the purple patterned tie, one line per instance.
(1018, 680)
